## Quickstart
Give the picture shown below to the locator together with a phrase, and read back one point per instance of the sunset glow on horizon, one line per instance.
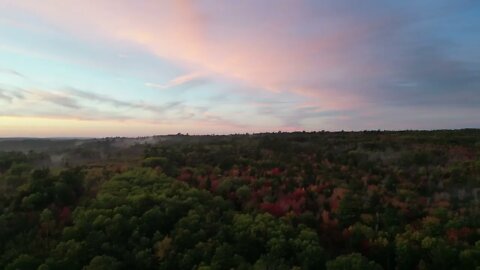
(138, 68)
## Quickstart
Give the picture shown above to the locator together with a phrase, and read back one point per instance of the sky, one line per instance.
(138, 68)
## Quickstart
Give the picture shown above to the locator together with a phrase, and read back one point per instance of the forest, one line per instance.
(302, 200)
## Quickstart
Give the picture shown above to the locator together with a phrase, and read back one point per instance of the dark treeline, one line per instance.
(343, 200)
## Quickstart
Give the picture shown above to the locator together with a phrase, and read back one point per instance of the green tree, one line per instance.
(354, 261)
(310, 255)
(103, 263)
(350, 209)
(23, 262)
(470, 258)
(243, 193)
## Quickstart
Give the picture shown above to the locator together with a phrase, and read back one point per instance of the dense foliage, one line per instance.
(345, 200)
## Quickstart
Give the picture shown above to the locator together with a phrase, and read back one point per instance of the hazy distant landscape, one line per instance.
(303, 200)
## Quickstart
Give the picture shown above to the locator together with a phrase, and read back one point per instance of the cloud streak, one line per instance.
(183, 80)
(12, 72)
(72, 103)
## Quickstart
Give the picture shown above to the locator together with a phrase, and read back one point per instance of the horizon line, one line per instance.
(236, 134)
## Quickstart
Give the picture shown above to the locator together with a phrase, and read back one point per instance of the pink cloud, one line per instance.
(264, 56)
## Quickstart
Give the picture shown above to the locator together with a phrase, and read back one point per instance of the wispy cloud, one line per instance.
(183, 80)
(12, 72)
(75, 103)
(5, 96)
(85, 95)
(56, 98)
